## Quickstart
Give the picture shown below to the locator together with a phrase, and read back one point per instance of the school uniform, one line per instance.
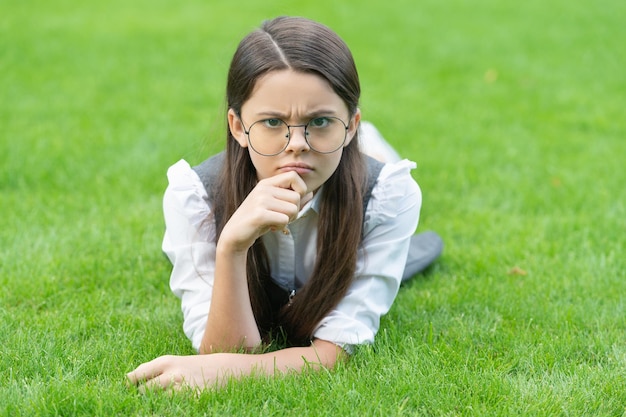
(391, 218)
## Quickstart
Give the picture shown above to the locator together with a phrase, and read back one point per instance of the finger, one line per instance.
(269, 198)
(146, 371)
(287, 195)
(162, 382)
(282, 209)
(291, 181)
(137, 376)
(272, 221)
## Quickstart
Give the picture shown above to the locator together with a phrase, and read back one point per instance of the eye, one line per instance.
(272, 123)
(320, 122)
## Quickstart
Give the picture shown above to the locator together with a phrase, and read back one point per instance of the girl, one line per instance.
(280, 244)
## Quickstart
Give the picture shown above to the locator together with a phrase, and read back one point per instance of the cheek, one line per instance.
(262, 166)
(330, 164)
(336, 159)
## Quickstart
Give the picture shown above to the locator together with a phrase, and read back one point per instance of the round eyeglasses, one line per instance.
(269, 137)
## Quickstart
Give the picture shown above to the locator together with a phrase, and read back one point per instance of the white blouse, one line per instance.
(391, 218)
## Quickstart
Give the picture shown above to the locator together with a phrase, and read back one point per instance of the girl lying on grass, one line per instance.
(281, 235)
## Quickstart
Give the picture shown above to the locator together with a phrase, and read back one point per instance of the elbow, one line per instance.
(204, 350)
(329, 354)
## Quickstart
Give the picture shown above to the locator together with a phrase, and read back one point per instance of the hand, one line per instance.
(176, 372)
(271, 205)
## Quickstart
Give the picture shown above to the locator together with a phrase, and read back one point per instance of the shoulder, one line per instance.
(185, 195)
(395, 191)
(209, 170)
(182, 178)
(394, 179)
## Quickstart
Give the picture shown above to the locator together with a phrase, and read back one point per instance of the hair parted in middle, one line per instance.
(301, 45)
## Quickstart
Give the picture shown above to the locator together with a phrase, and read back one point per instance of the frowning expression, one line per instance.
(297, 99)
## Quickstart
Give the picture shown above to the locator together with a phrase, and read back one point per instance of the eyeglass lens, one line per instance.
(271, 136)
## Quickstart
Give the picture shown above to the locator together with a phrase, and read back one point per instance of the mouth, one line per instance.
(299, 167)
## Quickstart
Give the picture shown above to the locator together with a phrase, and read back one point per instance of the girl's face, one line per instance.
(295, 98)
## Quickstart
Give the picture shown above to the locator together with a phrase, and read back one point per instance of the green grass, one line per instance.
(513, 111)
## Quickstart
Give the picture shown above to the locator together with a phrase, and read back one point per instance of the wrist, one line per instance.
(231, 243)
(229, 248)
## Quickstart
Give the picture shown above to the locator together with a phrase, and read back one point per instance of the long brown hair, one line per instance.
(300, 45)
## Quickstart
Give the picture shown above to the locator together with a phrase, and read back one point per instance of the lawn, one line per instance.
(514, 113)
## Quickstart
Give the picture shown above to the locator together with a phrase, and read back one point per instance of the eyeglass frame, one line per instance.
(305, 126)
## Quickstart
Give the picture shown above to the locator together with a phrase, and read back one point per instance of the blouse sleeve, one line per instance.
(391, 219)
(189, 243)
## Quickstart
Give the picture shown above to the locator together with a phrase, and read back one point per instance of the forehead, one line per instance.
(293, 94)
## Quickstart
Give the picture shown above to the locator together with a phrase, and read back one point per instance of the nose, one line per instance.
(297, 139)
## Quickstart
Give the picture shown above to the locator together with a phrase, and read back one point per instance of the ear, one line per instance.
(236, 128)
(353, 127)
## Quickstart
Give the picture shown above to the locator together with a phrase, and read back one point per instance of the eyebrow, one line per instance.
(310, 115)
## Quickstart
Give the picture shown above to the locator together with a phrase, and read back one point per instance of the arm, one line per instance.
(231, 322)
(392, 216)
(270, 205)
(214, 370)
(208, 276)
(189, 242)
